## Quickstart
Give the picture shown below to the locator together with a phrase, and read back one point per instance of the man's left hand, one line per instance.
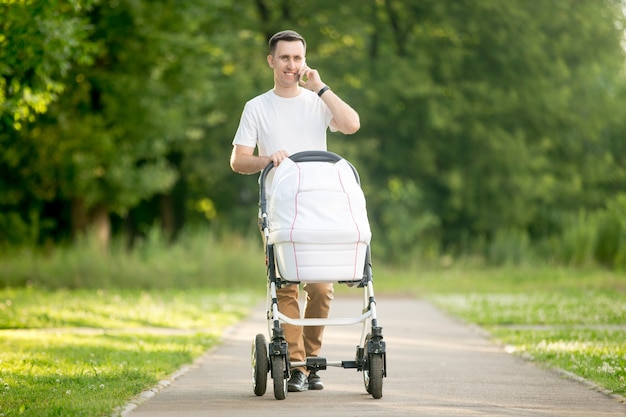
(310, 79)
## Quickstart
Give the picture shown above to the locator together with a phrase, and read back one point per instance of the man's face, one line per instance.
(287, 62)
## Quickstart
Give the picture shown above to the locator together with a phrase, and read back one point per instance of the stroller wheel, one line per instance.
(260, 365)
(373, 375)
(278, 374)
(373, 370)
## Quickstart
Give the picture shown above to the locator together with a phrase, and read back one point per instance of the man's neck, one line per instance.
(286, 92)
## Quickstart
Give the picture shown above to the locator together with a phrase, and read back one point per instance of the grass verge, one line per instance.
(87, 352)
(574, 320)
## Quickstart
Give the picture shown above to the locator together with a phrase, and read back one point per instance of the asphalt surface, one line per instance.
(436, 366)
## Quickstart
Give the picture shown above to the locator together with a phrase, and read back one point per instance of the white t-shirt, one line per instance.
(273, 123)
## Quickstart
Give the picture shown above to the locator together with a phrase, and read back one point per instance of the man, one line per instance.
(290, 118)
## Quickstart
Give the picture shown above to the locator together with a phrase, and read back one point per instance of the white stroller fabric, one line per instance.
(318, 222)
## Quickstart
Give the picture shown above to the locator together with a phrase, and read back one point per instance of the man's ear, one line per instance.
(270, 61)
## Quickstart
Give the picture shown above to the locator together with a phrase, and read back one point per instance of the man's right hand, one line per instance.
(278, 157)
(243, 160)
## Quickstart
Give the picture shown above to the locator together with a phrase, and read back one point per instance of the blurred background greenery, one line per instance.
(492, 130)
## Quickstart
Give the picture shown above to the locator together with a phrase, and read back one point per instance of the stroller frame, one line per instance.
(273, 357)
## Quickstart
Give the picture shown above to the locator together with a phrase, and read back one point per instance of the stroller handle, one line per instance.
(315, 156)
(305, 156)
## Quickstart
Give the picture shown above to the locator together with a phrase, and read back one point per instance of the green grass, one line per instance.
(200, 309)
(87, 352)
(74, 374)
(573, 320)
(594, 353)
(198, 259)
(558, 309)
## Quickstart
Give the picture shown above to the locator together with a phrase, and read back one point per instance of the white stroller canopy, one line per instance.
(318, 221)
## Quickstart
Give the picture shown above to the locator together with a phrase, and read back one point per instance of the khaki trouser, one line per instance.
(304, 341)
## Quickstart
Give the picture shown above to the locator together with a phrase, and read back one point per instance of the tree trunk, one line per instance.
(168, 222)
(96, 221)
(101, 227)
(79, 219)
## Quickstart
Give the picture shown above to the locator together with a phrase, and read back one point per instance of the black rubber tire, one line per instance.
(280, 382)
(373, 370)
(260, 365)
(374, 383)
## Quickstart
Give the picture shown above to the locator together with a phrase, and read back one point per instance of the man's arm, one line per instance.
(345, 118)
(244, 161)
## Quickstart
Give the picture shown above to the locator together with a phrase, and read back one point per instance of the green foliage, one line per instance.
(197, 259)
(611, 244)
(406, 230)
(578, 239)
(510, 247)
(590, 237)
(500, 120)
(22, 230)
(608, 238)
(39, 43)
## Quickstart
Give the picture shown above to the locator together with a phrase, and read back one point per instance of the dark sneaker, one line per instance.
(297, 382)
(315, 382)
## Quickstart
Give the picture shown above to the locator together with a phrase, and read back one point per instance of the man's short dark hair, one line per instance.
(285, 35)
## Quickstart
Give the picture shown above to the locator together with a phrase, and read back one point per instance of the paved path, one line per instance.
(436, 367)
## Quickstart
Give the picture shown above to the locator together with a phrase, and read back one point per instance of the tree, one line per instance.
(39, 44)
(494, 107)
(478, 117)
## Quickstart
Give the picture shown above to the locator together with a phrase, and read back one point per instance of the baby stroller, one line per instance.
(315, 229)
